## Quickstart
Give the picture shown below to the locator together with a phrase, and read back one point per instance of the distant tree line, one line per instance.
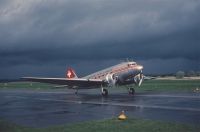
(191, 73)
(179, 74)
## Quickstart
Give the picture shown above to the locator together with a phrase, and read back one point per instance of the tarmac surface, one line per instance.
(37, 108)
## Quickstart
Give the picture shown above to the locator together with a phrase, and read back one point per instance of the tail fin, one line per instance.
(71, 73)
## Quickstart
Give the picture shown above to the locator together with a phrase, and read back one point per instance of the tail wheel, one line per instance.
(131, 91)
(105, 92)
(76, 92)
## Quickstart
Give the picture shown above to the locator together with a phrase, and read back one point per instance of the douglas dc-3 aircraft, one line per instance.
(125, 73)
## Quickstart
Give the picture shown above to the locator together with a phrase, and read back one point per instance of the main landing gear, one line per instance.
(104, 92)
(131, 91)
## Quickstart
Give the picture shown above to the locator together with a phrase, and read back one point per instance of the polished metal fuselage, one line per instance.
(124, 72)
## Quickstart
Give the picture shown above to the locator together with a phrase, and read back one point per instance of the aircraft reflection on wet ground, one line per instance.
(47, 108)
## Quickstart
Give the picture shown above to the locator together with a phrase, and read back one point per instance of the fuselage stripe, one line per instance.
(113, 71)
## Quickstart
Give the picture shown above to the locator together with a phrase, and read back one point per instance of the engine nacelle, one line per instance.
(137, 79)
(111, 79)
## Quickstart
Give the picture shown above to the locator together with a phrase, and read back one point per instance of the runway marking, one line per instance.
(11, 96)
(114, 104)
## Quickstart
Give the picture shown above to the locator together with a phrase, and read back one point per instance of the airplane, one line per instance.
(125, 73)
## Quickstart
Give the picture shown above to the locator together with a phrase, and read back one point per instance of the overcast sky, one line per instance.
(43, 37)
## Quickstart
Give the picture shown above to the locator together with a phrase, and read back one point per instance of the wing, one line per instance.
(149, 78)
(70, 83)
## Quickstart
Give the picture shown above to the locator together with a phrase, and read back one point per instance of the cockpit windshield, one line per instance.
(132, 64)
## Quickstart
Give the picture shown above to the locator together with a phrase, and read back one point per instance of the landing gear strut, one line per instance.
(104, 92)
(131, 91)
(76, 92)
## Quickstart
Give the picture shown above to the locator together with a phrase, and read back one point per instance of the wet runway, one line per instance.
(47, 108)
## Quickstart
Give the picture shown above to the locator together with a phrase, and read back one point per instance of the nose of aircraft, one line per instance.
(140, 67)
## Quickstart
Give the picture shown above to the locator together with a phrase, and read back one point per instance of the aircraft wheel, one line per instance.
(76, 92)
(105, 92)
(131, 91)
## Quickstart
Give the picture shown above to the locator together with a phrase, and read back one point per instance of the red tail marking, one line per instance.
(70, 73)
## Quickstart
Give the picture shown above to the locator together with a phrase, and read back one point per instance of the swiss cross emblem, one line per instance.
(69, 74)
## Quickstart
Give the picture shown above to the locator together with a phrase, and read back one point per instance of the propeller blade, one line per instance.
(141, 79)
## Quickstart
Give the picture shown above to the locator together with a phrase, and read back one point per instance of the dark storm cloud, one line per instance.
(64, 32)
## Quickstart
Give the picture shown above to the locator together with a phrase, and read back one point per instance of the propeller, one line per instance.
(141, 78)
